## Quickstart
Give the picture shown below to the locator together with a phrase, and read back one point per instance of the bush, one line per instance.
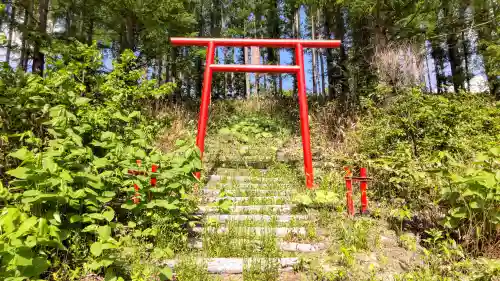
(420, 147)
(417, 133)
(72, 136)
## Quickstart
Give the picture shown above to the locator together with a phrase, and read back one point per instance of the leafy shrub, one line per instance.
(251, 129)
(474, 200)
(74, 134)
(419, 148)
(415, 133)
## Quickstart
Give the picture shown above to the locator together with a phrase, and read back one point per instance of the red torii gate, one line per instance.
(298, 69)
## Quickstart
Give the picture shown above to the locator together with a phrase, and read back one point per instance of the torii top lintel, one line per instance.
(244, 42)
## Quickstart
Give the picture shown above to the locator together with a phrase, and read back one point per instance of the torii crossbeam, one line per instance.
(298, 70)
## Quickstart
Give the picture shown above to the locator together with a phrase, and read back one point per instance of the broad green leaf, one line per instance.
(476, 204)
(109, 194)
(27, 226)
(95, 216)
(20, 172)
(90, 228)
(22, 154)
(140, 154)
(65, 175)
(31, 193)
(100, 162)
(166, 274)
(128, 206)
(19, 260)
(459, 213)
(39, 266)
(43, 227)
(96, 248)
(82, 101)
(49, 164)
(57, 217)
(75, 218)
(104, 232)
(108, 136)
(109, 214)
(163, 204)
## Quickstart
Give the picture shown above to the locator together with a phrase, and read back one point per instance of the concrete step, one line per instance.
(236, 265)
(241, 172)
(250, 179)
(241, 199)
(264, 218)
(258, 231)
(238, 185)
(282, 209)
(246, 191)
(284, 246)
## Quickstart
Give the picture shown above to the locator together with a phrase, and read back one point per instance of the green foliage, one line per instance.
(318, 199)
(73, 136)
(473, 198)
(416, 133)
(251, 129)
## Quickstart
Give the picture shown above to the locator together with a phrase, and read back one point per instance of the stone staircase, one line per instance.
(260, 229)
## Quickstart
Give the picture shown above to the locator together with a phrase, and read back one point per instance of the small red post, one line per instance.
(135, 198)
(363, 186)
(348, 184)
(154, 169)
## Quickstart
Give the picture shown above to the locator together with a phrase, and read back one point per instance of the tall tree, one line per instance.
(38, 56)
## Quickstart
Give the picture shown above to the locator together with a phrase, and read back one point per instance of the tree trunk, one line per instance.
(25, 44)
(273, 31)
(454, 56)
(296, 32)
(90, 33)
(11, 32)
(342, 63)
(455, 63)
(314, 65)
(280, 77)
(199, 59)
(320, 57)
(247, 75)
(465, 45)
(431, 89)
(160, 69)
(437, 53)
(130, 32)
(38, 56)
(329, 54)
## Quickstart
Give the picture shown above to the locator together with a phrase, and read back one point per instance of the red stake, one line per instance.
(363, 186)
(348, 184)
(154, 169)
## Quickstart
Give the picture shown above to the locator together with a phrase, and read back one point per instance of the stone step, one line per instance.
(250, 179)
(258, 231)
(236, 265)
(245, 191)
(284, 246)
(264, 218)
(238, 185)
(241, 172)
(282, 209)
(241, 199)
